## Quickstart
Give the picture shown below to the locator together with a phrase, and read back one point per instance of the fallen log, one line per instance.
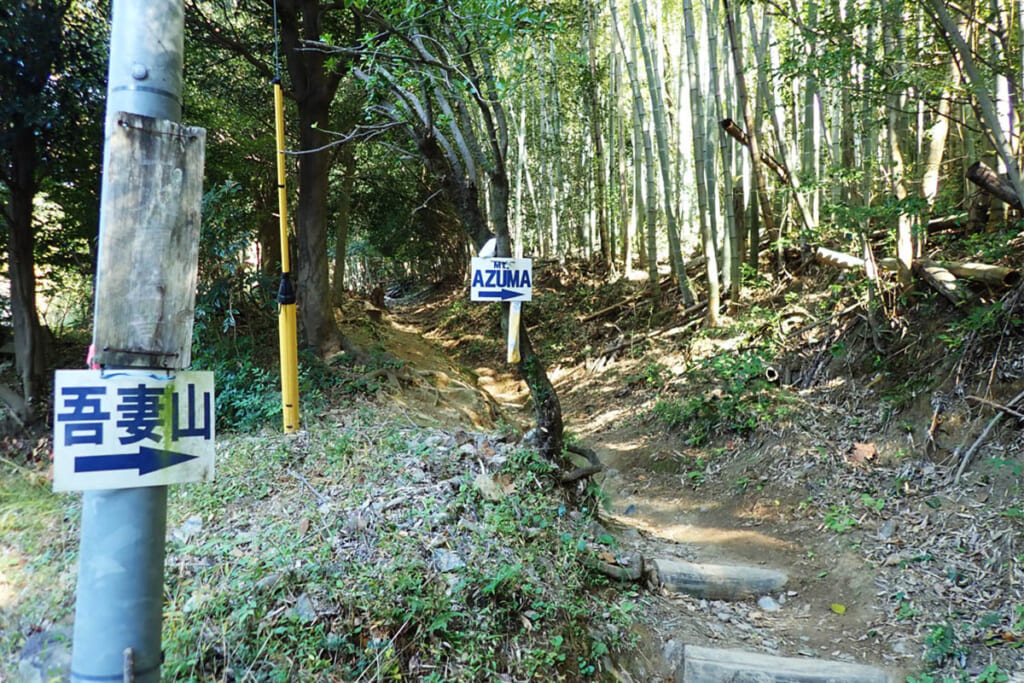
(993, 276)
(990, 181)
(947, 223)
(838, 259)
(941, 280)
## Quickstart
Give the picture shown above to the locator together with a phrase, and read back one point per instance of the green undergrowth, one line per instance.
(37, 554)
(724, 394)
(370, 550)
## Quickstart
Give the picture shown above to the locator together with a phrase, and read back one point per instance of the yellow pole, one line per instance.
(286, 293)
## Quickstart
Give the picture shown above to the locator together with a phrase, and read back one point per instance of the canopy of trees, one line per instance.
(631, 132)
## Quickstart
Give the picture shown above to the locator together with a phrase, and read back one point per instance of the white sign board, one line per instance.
(501, 279)
(116, 429)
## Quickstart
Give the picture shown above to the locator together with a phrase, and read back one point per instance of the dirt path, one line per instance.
(865, 585)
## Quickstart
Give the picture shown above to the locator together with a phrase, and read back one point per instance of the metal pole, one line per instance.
(118, 607)
(287, 334)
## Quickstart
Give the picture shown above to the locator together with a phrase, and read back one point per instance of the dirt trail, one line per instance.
(759, 501)
(652, 510)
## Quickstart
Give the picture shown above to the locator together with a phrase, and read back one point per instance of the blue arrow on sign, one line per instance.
(502, 294)
(146, 460)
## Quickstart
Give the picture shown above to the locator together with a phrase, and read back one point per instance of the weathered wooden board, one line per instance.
(707, 665)
(717, 581)
(149, 243)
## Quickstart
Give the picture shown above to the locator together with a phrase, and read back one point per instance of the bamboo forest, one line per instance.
(512, 340)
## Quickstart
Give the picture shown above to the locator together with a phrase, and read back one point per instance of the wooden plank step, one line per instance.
(717, 581)
(710, 665)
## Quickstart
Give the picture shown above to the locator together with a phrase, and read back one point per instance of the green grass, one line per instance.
(38, 532)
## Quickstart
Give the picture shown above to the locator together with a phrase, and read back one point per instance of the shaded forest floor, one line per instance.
(407, 532)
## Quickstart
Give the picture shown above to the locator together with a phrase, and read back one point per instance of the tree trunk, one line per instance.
(597, 167)
(348, 161)
(755, 149)
(654, 85)
(897, 187)
(703, 207)
(645, 139)
(937, 136)
(313, 89)
(978, 87)
(28, 348)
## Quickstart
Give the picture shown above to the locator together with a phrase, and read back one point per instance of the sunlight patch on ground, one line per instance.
(7, 592)
(627, 446)
(595, 423)
(703, 535)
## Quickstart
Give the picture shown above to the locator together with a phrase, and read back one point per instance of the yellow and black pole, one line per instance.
(286, 292)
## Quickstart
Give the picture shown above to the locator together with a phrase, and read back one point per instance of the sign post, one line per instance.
(505, 280)
(144, 308)
(129, 428)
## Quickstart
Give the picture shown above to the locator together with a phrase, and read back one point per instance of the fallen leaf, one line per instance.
(861, 454)
(504, 481)
(303, 526)
(606, 557)
(488, 488)
(837, 608)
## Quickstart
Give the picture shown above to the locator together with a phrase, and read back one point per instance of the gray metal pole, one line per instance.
(120, 579)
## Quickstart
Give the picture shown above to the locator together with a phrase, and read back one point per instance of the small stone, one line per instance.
(887, 530)
(304, 610)
(447, 561)
(192, 526)
(768, 604)
(46, 657)
(270, 581)
(723, 616)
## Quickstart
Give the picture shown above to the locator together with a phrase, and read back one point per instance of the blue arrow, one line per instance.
(145, 461)
(503, 294)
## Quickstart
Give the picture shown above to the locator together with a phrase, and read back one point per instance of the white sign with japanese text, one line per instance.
(115, 429)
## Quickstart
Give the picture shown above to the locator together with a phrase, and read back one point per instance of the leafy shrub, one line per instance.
(742, 397)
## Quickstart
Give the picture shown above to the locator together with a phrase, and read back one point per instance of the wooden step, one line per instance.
(717, 581)
(709, 665)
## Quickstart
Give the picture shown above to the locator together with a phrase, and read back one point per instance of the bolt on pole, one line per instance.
(118, 608)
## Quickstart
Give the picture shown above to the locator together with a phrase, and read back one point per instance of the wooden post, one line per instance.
(149, 244)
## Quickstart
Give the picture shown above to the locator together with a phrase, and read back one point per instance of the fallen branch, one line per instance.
(738, 134)
(997, 406)
(580, 473)
(670, 330)
(981, 438)
(990, 181)
(849, 309)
